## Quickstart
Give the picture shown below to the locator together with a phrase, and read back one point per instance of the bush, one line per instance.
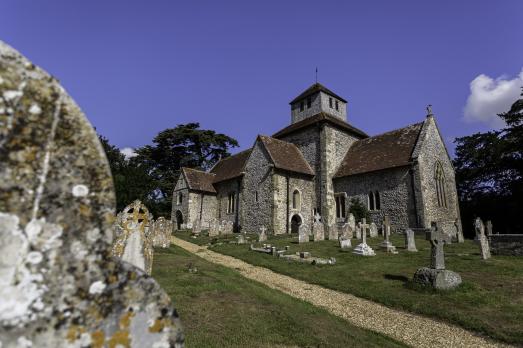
(359, 210)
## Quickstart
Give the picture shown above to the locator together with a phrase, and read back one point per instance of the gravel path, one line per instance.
(411, 329)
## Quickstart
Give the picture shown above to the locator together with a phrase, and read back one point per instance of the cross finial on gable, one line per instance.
(429, 110)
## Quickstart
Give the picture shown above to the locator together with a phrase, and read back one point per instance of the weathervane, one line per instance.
(316, 74)
(429, 110)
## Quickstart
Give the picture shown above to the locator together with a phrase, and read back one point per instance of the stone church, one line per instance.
(317, 165)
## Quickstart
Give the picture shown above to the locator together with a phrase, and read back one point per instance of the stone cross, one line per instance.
(482, 239)
(59, 285)
(437, 239)
(364, 227)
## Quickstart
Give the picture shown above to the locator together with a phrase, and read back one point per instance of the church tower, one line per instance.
(317, 99)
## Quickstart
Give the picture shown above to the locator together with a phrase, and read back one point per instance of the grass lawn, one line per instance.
(220, 308)
(490, 300)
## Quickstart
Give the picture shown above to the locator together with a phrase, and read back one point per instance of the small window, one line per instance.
(256, 196)
(374, 200)
(302, 106)
(180, 198)
(439, 177)
(330, 102)
(337, 105)
(296, 200)
(340, 206)
(231, 203)
(309, 102)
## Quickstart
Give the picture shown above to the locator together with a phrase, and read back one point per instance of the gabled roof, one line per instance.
(285, 156)
(315, 88)
(230, 167)
(387, 150)
(199, 180)
(319, 118)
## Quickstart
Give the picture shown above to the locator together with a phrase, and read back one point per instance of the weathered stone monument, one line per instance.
(318, 230)
(133, 239)
(482, 239)
(344, 231)
(196, 227)
(373, 230)
(386, 244)
(303, 236)
(58, 287)
(459, 231)
(227, 227)
(262, 236)
(241, 238)
(357, 231)
(333, 232)
(363, 249)
(214, 228)
(436, 275)
(489, 228)
(351, 222)
(345, 242)
(162, 232)
(410, 241)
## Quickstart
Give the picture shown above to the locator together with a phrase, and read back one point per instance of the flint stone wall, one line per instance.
(223, 189)
(395, 189)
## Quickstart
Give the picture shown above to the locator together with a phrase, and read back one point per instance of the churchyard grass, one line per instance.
(220, 308)
(490, 300)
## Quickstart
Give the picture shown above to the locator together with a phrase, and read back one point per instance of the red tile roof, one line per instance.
(286, 156)
(387, 150)
(230, 167)
(199, 180)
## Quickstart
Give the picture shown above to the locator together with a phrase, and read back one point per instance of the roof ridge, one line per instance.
(392, 131)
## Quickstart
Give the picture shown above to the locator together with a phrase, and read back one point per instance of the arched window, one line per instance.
(377, 203)
(296, 200)
(439, 178)
(180, 198)
(371, 200)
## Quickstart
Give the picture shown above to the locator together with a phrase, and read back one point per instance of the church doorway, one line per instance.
(179, 220)
(295, 223)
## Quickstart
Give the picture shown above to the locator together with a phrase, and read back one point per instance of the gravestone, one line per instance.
(344, 231)
(133, 239)
(489, 228)
(482, 239)
(459, 231)
(228, 227)
(162, 232)
(262, 236)
(345, 243)
(318, 230)
(303, 236)
(373, 230)
(58, 287)
(214, 228)
(386, 244)
(333, 232)
(363, 249)
(196, 227)
(241, 238)
(410, 241)
(351, 222)
(436, 275)
(358, 231)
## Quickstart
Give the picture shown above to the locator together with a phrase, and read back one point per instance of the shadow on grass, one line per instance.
(396, 277)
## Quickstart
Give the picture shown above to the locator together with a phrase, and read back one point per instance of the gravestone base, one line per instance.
(441, 279)
(386, 245)
(345, 243)
(364, 250)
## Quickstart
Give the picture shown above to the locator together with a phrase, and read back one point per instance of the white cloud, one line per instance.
(128, 152)
(489, 97)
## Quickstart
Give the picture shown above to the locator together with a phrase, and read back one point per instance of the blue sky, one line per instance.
(138, 67)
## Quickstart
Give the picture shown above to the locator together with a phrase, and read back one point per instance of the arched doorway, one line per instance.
(179, 220)
(295, 223)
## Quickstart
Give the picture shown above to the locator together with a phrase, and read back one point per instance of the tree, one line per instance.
(489, 173)
(183, 146)
(131, 181)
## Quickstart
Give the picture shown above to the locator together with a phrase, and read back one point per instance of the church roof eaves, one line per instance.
(318, 118)
(286, 156)
(198, 180)
(388, 150)
(315, 88)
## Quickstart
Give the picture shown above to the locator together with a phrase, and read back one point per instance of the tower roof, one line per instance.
(315, 88)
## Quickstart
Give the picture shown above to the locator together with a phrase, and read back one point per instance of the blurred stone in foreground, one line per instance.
(58, 284)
